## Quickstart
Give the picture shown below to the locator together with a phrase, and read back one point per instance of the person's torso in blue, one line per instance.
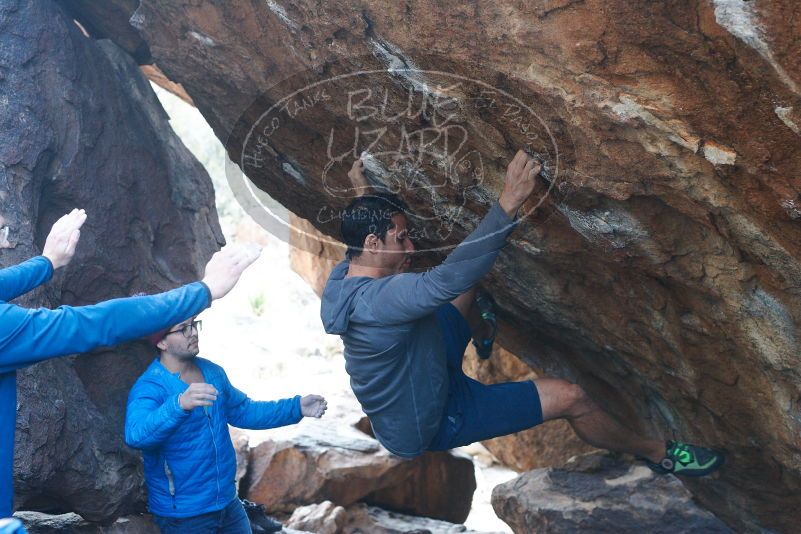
(397, 372)
(194, 470)
(190, 463)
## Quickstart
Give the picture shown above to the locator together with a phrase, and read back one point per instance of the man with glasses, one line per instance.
(178, 415)
(29, 336)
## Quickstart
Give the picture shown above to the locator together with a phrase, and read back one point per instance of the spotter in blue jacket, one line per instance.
(28, 336)
(190, 464)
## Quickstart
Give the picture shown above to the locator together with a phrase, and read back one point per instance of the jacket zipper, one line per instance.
(216, 459)
(170, 482)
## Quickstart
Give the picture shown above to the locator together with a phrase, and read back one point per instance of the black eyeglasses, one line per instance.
(186, 330)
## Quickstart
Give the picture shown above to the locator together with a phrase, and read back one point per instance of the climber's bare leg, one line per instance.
(562, 400)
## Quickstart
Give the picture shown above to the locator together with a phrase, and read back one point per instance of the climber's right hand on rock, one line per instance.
(197, 394)
(226, 266)
(521, 181)
(357, 178)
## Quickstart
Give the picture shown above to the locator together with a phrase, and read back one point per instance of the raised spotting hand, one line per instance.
(60, 244)
(226, 266)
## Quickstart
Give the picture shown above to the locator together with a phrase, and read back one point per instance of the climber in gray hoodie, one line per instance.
(405, 334)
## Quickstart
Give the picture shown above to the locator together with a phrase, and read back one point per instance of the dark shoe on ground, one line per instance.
(483, 343)
(260, 522)
(687, 460)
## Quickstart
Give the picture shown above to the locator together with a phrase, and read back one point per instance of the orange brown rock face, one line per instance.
(342, 465)
(661, 272)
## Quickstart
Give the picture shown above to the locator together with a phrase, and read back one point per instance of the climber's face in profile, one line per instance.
(394, 252)
(375, 229)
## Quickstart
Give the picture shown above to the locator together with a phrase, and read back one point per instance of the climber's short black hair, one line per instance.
(369, 214)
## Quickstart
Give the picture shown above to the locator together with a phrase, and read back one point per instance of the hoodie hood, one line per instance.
(339, 299)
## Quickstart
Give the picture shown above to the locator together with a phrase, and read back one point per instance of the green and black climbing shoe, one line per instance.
(687, 460)
(483, 343)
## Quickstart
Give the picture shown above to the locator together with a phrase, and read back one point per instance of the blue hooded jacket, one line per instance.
(190, 463)
(28, 336)
(394, 349)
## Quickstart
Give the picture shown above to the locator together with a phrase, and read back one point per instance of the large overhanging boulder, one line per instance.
(81, 127)
(661, 271)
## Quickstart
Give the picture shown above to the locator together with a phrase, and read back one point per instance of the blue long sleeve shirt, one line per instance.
(394, 350)
(28, 336)
(190, 463)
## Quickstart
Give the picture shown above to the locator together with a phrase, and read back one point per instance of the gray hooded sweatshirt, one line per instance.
(394, 347)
